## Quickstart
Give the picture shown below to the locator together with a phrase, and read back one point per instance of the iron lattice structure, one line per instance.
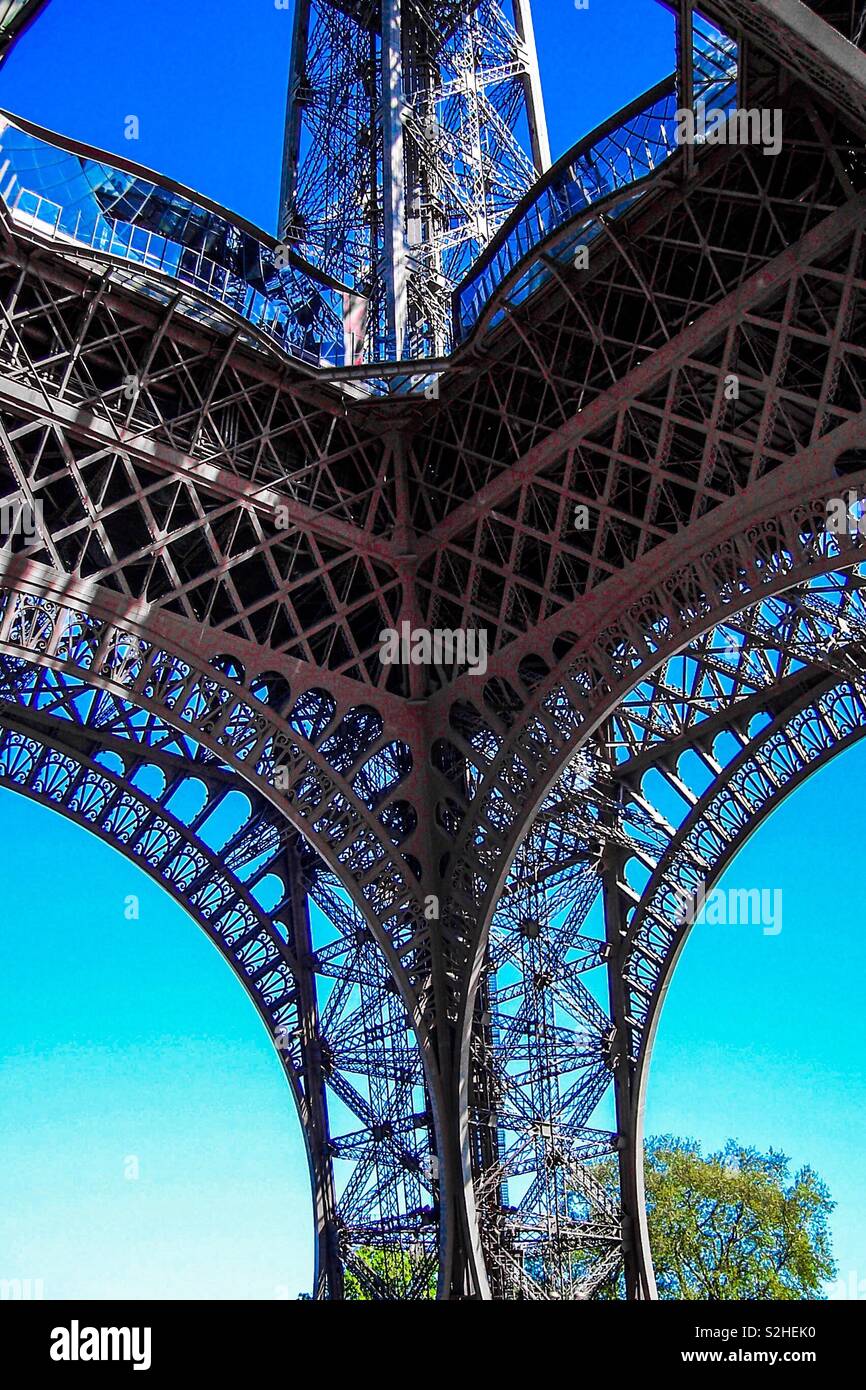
(413, 129)
(454, 898)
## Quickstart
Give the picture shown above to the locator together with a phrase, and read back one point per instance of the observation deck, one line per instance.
(163, 239)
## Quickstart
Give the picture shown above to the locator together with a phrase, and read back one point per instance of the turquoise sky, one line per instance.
(121, 1039)
(763, 1037)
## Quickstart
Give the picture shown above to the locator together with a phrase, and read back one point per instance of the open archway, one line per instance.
(762, 1025)
(147, 772)
(644, 819)
(149, 1147)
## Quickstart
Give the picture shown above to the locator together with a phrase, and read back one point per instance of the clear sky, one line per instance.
(124, 1040)
(762, 1037)
(207, 80)
(121, 1039)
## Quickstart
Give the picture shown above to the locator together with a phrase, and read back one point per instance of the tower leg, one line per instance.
(328, 1276)
(639, 1281)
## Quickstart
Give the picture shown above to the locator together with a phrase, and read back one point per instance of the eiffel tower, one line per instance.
(564, 436)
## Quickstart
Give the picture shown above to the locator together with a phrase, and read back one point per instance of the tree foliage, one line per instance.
(735, 1224)
(391, 1272)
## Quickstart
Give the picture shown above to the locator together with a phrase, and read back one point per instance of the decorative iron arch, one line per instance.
(515, 764)
(36, 762)
(808, 735)
(46, 621)
(68, 685)
(594, 821)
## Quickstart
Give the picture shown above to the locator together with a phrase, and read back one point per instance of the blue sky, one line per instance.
(762, 1037)
(126, 1038)
(207, 80)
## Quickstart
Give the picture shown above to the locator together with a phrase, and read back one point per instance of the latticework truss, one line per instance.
(413, 131)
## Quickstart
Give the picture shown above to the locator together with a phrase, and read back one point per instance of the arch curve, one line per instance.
(80, 643)
(783, 675)
(808, 734)
(157, 789)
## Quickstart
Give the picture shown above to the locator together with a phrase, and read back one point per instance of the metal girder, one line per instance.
(41, 757)
(642, 821)
(404, 152)
(799, 37)
(328, 1000)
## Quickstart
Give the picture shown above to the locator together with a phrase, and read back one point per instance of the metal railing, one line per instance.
(614, 158)
(622, 152)
(55, 190)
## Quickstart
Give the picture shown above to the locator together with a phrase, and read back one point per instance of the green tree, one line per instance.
(393, 1272)
(735, 1224)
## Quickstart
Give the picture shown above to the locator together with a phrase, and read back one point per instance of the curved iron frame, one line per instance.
(91, 774)
(620, 837)
(206, 708)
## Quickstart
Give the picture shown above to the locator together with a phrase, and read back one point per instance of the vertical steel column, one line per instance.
(328, 1276)
(294, 107)
(685, 74)
(394, 177)
(639, 1279)
(536, 116)
(457, 1242)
